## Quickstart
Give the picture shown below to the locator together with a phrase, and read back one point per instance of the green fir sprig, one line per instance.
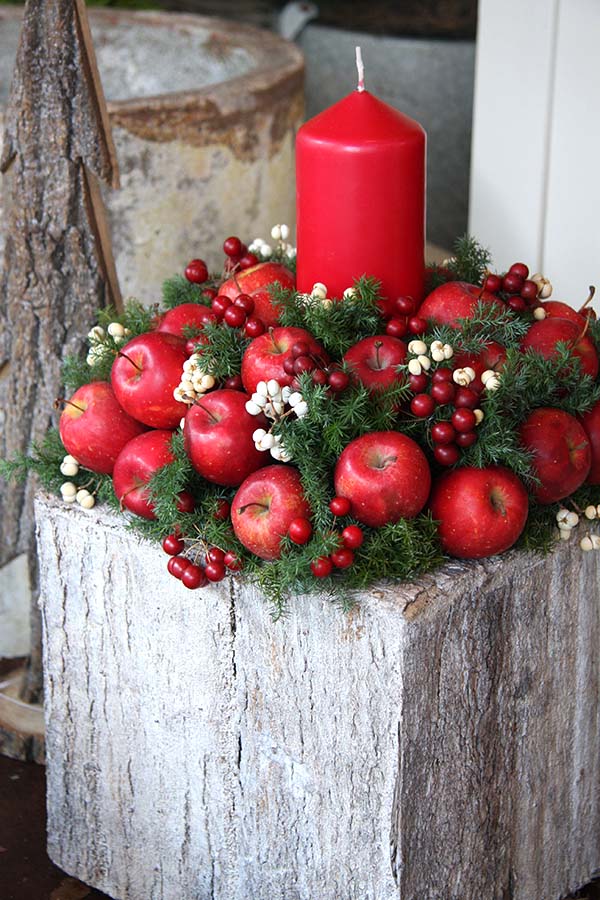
(470, 260)
(178, 290)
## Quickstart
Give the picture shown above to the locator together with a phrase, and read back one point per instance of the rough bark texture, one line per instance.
(440, 743)
(55, 270)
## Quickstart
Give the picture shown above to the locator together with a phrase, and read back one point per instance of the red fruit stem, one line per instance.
(129, 359)
(60, 400)
(213, 418)
(122, 497)
(592, 290)
(378, 345)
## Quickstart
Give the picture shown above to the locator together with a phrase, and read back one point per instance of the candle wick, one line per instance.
(361, 70)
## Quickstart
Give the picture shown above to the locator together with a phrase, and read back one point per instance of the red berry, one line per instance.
(215, 555)
(529, 291)
(254, 327)
(304, 364)
(173, 545)
(466, 439)
(519, 269)
(234, 383)
(288, 366)
(222, 511)
(300, 530)
(245, 302)
(422, 405)
(443, 392)
(352, 537)
(338, 381)
(214, 571)
(248, 260)
(321, 567)
(517, 304)
(340, 506)
(319, 377)
(512, 283)
(232, 246)
(442, 433)
(193, 577)
(220, 303)
(442, 374)
(446, 454)
(234, 316)
(232, 561)
(177, 565)
(417, 325)
(196, 271)
(492, 283)
(396, 328)
(418, 383)
(300, 348)
(465, 398)
(464, 419)
(405, 306)
(342, 558)
(190, 345)
(209, 293)
(185, 502)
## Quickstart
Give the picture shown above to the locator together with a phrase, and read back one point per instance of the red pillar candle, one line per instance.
(360, 176)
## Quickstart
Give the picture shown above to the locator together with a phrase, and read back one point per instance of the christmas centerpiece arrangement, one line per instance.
(351, 418)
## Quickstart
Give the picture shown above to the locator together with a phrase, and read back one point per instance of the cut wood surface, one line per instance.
(438, 743)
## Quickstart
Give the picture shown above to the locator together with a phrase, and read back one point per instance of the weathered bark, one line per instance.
(57, 269)
(440, 743)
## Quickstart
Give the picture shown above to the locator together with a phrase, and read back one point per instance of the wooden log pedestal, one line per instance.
(440, 743)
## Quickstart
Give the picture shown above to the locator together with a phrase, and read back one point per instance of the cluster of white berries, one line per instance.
(318, 296)
(543, 285)
(70, 494)
(69, 466)
(490, 380)
(271, 399)
(424, 354)
(96, 338)
(279, 233)
(567, 520)
(195, 382)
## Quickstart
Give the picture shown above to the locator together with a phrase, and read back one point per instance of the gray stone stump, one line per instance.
(439, 743)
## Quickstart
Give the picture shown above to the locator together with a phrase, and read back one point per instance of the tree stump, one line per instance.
(439, 743)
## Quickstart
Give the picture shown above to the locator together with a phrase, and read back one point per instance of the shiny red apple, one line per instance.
(591, 424)
(480, 512)
(453, 301)
(544, 336)
(556, 309)
(255, 282)
(218, 437)
(186, 315)
(562, 453)
(94, 428)
(385, 476)
(374, 361)
(266, 355)
(264, 507)
(144, 376)
(137, 462)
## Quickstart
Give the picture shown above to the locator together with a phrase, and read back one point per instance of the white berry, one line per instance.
(273, 388)
(261, 388)
(285, 232)
(417, 347)
(349, 293)
(258, 435)
(69, 469)
(565, 534)
(207, 382)
(319, 291)
(81, 494)
(295, 398)
(276, 232)
(590, 512)
(463, 377)
(448, 351)
(572, 519)
(96, 334)
(425, 361)
(267, 442)
(87, 502)
(539, 313)
(479, 416)
(115, 329)
(586, 544)
(414, 367)
(301, 409)
(253, 408)
(266, 250)
(492, 384)
(68, 489)
(595, 539)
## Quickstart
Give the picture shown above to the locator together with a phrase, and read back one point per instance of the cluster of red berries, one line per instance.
(237, 313)
(456, 433)
(191, 574)
(303, 360)
(403, 319)
(520, 292)
(237, 256)
(351, 538)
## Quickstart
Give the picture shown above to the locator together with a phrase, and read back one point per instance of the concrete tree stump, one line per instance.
(439, 743)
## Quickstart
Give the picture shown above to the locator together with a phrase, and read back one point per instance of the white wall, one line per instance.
(535, 184)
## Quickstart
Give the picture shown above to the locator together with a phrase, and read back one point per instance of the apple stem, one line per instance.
(243, 509)
(129, 359)
(60, 400)
(589, 299)
(122, 497)
(378, 345)
(213, 418)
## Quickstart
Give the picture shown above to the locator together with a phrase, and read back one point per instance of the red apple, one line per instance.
(492, 356)
(186, 315)
(264, 507)
(144, 376)
(374, 361)
(480, 511)
(591, 424)
(94, 428)
(545, 335)
(555, 309)
(385, 476)
(218, 437)
(266, 355)
(453, 301)
(255, 282)
(136, 464)
(562, 453)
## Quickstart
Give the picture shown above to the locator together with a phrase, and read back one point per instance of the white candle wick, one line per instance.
(361, 70)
